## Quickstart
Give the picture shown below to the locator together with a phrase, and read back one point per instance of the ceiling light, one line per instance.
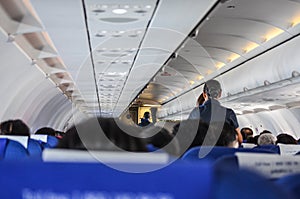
(273, 33)
(219, 65)
(250, 47)
(295, 21)
(200, 77)
(192, 82)
(233, 57)
(152, 105)
(119, 11)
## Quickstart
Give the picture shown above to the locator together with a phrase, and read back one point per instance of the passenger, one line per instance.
(265, 131)
(14, 127)
(214, 134)
(266, 139)
(212, 110)
(246, 133)
(106, 134)
(46, 131)
(161, 139)
(145, 120)
(284, 138)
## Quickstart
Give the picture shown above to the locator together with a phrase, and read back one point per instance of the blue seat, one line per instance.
(3, 143)
(177, 180)
(213, 153)
(34, 148)
(52, 141)
(290, 183)
(240, 183)
(269, 147)
(15, 151)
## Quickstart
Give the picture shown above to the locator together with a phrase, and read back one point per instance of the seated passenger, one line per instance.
(107, 134)
(161, 138)
(14, 127)
(284, 138)
(214, 134)
(266, 139)
(246, 133)
(46, 131)
(145, 120)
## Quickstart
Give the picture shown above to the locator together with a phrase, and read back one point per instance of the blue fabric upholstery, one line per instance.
(291, 184)
(82, 180)
(236, 184)
(3, 143)
(34, 148)
(269, 147)
(15, 151)
(52, 141)
(216, 152)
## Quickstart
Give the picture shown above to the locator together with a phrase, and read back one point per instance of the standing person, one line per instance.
(211, 110)
(145, 120)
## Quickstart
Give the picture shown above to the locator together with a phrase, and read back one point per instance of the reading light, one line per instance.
(119, 11)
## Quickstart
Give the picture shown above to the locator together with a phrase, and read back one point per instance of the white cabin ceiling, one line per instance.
(104, 55)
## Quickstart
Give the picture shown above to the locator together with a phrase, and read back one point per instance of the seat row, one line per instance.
(19, 147)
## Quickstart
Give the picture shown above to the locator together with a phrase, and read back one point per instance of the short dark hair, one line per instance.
(286, 139)
(14, 127)
(147, 115)
(46, 131)
(113, 137)
(212, 88)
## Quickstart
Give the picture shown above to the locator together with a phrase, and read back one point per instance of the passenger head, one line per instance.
(14, 127)
(200, 100)
(213, 134)
(106, 134)
(212, 89)
(146, 115)
(246, 132)
(284, 138)
(228, 136)
(46, 131)
(162, 139)
(266, 139)
(265, 131)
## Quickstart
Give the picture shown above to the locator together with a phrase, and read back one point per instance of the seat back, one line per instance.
(47, 141)
(15, 151)
(273, 166)
(213, 153)
(3, 143)
(290, 183)
(90, 180)
(34, 148)
(52, 141)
